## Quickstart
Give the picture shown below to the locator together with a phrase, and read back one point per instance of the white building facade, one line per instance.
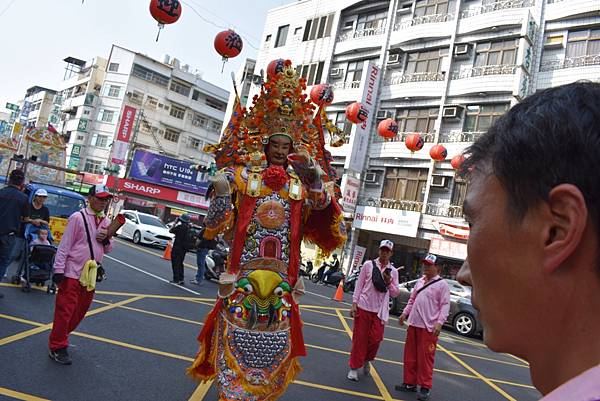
(446, 69)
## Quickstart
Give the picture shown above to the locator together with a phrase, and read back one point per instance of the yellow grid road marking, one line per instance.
(20, 396)
(376, 378)
(341, 390)
(490, 359)
(201, 391)
(147, 312)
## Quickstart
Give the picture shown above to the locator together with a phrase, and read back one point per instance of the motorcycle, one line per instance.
(327, 279)
(351, 280)
(215, 262)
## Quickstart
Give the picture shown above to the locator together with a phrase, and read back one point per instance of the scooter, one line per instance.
(215, 262)
(351, 280)
(318, 276)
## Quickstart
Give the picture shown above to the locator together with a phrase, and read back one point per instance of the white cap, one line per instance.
(430, 259)
(386, 243)
(41, 192)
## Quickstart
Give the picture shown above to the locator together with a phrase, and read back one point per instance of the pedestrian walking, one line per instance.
(204, 245)
(181, 229)
(426, 311)
(377, 282)
(85, 239)
(533, 205)
(14, 211)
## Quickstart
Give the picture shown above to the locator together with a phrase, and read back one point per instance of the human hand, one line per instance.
(353, 310)
(305, 167)
(436, 329)
(402, 319)
(57, 278)
(36, 222)
(221, 185)
(387, 277)
(101, 235)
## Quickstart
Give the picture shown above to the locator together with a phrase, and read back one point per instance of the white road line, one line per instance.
(323, 296)
(151, 275)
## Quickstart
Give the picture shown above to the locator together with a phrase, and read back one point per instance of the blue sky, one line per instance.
(36, 35)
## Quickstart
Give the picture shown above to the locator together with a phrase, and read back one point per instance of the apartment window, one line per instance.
(136, 96)
(431, 7)
(297, 31)
(354, 71)
(215, 125)
(282, 32)
(458, 192)
(215, 104)
(312, 72)
(171, 135)
(429, 61)
(145, 127)
(371, 21)
(199, 120)
(177, 112)
(417, 120)
(93, 166)
(163, 106)
(503, 52)
(151, 102)
(113, 67)
(342, 123)
(583, 43)
(114, 91)
(150, 75)
(180, 88)
(157, 131)
(405, 184)
(195, 143)
(317, 28)
(106, 116)
(80, 137)
(268, 38)
(480, 117)
(99, 141)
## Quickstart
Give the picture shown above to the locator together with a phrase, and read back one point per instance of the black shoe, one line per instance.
(406, 388)
(181, 283)
(424, 394)
(60, 356)
(174, 281)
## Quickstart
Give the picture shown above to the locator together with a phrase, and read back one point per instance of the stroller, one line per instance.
(37, 264)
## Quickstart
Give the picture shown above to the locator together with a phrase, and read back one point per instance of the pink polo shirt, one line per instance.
(585, 387)
(74, 250)
(431, 306)
(368, 298)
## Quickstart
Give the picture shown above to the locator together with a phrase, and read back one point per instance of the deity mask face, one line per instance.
(278, 148)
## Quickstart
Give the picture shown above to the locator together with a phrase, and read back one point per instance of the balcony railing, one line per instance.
(571, 62)
(401, 137)
(501, 5)
(397, 204)
(505, 69)
(361, 33)
(425, 19)
(453, 137)
(554, 1)
(415, 77)
(346, 85)
(444, 210)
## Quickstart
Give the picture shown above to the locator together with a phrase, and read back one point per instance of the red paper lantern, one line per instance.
(457, 161)
(165, 12)
(388, 128)
(321, 95)
(228, 44)
(438, 153)
(275, 67)
(356, 113)
(414, 142)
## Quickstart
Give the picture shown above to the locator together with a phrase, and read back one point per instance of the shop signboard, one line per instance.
(350, 189)
(168, 172)
(121, 143)
(391, 221)
(451, 249)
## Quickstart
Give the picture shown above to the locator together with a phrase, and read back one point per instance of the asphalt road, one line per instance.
(140, 336)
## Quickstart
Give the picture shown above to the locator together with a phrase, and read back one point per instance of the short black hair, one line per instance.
(550, 138)
(16, 177)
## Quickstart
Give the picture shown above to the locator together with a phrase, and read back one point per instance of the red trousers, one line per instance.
(367, 334)
(419, 355)
(72, 303)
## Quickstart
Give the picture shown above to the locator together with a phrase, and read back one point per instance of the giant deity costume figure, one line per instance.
(274, 188)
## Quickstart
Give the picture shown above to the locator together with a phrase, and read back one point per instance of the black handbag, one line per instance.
(100, 272)
(377, 278)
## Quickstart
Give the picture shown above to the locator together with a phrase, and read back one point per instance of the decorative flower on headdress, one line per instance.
(275, 177)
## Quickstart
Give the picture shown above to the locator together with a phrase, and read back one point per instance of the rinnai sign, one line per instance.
(360, 137)
(121, 143)
(391, 221)
(350, 188)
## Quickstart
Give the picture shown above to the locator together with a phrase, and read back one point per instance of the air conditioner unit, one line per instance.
(452, 112)
(371, 178)
(439, 181)
(382, 114)
(462, 50)
(336, 72)
(394, 58)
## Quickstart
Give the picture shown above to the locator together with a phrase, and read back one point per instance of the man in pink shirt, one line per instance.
(427, 310)
(377, 281)
(73, 299)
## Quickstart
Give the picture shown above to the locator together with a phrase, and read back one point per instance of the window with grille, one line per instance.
(583, 43)
(114, 91)
(196, 95)
(480, 117)
(99, 141)
(215, 125)
(215, 104)
(195, 143)
(199, 120)
(282, 32)
(177, 112)
(371, 21)
(431, 7)
(113, 67)
(502, 52)
(428, 61)
(171, 135)
(458, 192)
(93, 166)
(106, 116)
(405, 184)
(180, 88)
(417, 120)
(150, 75)
(151, 102)
(136, 97)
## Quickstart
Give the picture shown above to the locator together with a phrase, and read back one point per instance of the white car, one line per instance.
(143, 228)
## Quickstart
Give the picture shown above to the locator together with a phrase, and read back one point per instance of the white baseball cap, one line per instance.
(100, 191)
(430, 259)
(386, 243)
(41, 192)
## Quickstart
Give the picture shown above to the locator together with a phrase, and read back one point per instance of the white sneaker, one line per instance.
(367, 368)
(353, 375)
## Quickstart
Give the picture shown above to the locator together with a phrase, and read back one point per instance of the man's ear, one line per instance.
(567, 216)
